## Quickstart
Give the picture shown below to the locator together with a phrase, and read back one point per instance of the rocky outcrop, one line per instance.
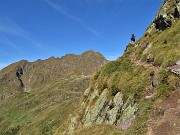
(106, 109)
(166, 16)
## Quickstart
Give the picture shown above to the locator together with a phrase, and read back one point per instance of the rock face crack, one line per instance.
(21, 83)
(19, 73)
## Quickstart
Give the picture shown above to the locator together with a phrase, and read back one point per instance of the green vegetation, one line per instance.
(43, 110)
(165, 49)
(165, 86)
(99, 130)
(114, 66)
(40, 110)
(130, 80)
(162, 90)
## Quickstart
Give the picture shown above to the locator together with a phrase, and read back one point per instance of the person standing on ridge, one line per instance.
(133, 38)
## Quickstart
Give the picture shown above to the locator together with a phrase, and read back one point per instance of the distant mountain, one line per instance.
(36, 97)
(139, 93)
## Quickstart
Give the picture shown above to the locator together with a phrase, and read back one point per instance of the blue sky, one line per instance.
(38, 29)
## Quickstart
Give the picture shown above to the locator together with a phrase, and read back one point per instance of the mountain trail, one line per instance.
(150, 91)
(144, 64)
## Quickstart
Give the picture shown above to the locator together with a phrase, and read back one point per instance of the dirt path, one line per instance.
(165, 116)
(144, 64)
(150, 91)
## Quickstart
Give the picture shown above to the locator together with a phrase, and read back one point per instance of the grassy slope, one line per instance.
(166, 46)
(132, 80)
(41, 111)
(54, 89)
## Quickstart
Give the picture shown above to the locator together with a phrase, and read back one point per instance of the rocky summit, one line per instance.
(139, 93)
(37, 97)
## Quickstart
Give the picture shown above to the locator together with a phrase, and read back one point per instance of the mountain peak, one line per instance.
(93, 54)
(89, 52)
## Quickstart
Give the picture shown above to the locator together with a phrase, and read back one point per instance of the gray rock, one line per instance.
(128, 114)
(86, 92)
(118, 100)
(92, 113)
(147, 48)
(112, 113)
(155, 81)
(175, 69)
(150, 58)
(73, 125)
(177, 9)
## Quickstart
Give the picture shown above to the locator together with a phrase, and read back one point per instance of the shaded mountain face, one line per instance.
(138, 94)
(36, 97)
(30, 75)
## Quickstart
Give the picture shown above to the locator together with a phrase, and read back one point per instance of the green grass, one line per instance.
(162, 90)
(43, 110)
(125, 77)
(99, 130)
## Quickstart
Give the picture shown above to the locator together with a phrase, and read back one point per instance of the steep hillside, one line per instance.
(139, 93)
(37, 97)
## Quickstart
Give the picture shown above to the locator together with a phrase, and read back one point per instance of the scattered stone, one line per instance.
(144, 44)
(150, 97)
(175, 69)
(178, 62)
(150, 58)
(73, 125)
(87, 91)
(147, 48)
(155, 81)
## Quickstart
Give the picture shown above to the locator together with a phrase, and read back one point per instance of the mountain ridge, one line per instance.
(34, 92)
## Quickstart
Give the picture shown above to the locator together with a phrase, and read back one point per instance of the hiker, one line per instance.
(133, 38)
